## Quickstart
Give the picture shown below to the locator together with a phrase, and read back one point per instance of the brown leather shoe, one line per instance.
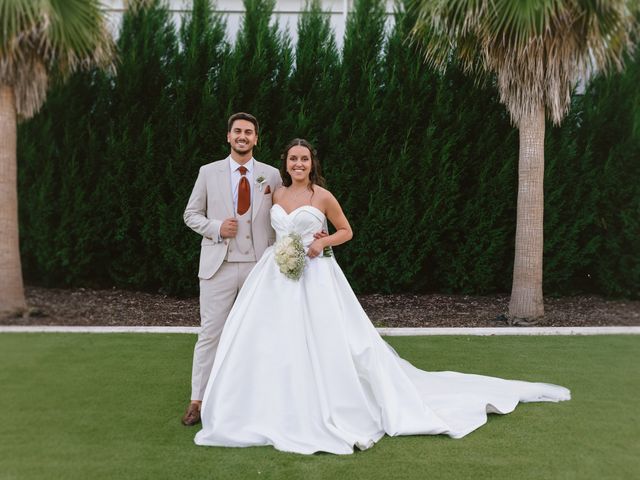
(192, 415)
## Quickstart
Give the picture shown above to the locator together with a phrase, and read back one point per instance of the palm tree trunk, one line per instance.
(11, 288)
(526, 303)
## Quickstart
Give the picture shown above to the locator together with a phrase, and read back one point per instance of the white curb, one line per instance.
(474, 331)
(485, 331)
(87, 329)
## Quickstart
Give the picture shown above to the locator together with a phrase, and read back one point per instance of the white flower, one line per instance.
(290, 256)
(260, 181)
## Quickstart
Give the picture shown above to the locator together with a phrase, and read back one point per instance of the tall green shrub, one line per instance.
(310, 112)
(356, 146)
(571, 198)
(437, 212)
(423, 164)
(58, 171)
(256, 75)
(142, 134)
(199, 138)
(393, 229)
(472, 148)
(610, 132)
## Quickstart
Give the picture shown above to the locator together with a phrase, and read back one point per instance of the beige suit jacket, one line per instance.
(211, 202)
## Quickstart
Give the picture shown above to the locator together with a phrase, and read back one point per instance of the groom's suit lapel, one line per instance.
(258, 195)
(224, 186)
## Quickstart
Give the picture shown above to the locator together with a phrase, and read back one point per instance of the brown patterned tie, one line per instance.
(244, 192)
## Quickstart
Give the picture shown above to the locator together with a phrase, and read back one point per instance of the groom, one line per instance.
(229, 207)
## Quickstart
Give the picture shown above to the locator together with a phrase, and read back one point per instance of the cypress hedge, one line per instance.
(424, 164)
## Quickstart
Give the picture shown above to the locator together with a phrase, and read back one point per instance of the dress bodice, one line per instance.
(305, 221)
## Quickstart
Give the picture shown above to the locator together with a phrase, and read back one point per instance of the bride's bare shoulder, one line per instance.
(320, 192)
(324, 197)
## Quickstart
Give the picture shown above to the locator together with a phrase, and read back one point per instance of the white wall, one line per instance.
(286, 11)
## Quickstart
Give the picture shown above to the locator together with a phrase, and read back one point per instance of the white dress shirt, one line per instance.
(234, 178)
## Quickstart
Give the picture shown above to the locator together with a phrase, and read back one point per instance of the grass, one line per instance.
(77, 406)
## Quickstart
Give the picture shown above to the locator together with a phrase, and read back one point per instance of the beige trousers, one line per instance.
(217, 295)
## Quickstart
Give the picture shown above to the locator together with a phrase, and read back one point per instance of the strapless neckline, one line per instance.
(297, 209)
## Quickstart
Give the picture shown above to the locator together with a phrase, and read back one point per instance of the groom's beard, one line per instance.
(242, 151)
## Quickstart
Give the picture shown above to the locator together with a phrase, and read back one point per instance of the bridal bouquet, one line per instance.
(290, 255)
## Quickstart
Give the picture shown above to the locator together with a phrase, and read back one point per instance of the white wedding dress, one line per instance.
(301, 367)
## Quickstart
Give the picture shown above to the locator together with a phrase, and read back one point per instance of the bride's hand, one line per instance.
(315, 248)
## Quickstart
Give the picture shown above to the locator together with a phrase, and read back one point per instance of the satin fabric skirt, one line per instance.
(301, 367)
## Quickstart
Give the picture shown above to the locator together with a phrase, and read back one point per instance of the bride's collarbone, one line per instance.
(290, 202)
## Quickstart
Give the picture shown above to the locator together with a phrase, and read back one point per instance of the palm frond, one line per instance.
(78, 34)
(43, 36)
(537, 49)
(16, 17)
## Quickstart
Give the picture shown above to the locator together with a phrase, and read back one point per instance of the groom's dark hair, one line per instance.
(243, 116)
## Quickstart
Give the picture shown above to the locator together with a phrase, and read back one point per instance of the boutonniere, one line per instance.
(261, 181)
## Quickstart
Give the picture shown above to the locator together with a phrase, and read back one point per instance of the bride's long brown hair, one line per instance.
(315, 176)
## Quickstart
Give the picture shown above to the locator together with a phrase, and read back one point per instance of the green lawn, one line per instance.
(80, 406)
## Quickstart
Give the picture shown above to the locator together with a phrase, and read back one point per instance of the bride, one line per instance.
(301, 367)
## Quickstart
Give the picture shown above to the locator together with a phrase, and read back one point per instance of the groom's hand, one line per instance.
(320, 234)
(229, 228)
